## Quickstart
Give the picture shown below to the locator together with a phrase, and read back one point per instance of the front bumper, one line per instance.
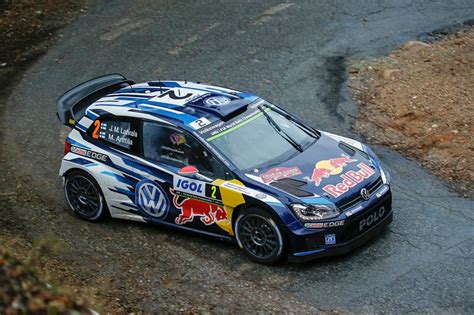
(307, 247)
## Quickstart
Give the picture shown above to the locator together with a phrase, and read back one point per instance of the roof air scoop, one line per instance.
(219, 105)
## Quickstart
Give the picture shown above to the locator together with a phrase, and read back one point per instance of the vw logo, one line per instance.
(151, 199)
(217, 100)
(364, 193)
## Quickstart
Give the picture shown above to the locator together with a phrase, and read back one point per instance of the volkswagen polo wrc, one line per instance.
(221, 163)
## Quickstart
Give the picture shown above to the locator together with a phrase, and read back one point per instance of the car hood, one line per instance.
(328, 168)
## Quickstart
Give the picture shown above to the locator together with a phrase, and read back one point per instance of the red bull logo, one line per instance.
(349, 180)
(190, 208)
(325, 168)
(177, 139)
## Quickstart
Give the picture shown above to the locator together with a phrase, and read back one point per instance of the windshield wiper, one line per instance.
(280, 131)
(312, 132)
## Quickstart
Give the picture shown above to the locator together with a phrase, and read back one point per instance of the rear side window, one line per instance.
(122, 133)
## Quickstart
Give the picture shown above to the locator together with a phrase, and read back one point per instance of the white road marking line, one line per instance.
(267, 14)
(176, 50)
(124, 28)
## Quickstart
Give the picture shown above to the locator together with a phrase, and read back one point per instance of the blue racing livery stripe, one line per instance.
(170, 84)
(90, 114)
(77, 144)
(128, 193)
(166, 115)
(120, 178)
(126, 210)
(81, 127)
(249, 96)
(128, 204)
(83, 162)
(146, 169)
(101, 112)
(152, 104)
(138, 90)
(308, 252)
(131, 105)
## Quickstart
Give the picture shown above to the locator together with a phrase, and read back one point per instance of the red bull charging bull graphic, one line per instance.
(190, 208)
(325, 168)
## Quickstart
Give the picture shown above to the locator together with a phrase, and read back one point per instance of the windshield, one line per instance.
(261, 137)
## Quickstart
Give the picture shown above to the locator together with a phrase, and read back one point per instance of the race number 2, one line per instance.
(213, 192)
(199, 123)
(95, 132)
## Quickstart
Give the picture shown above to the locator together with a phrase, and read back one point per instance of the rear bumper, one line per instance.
(343, 248)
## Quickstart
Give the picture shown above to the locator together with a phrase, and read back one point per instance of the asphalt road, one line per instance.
(293, 54)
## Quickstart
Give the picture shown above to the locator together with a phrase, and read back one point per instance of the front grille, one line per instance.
(353, 229)
(371, 188)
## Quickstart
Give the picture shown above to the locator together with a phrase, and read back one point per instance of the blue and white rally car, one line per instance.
(221, 163)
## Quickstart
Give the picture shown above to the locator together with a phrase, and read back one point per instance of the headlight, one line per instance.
(385, 176)
(315, 212)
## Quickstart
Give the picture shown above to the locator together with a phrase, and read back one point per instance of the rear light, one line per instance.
(67, 147)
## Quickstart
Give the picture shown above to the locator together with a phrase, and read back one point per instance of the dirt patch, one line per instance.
(27, 29)
(420, 101)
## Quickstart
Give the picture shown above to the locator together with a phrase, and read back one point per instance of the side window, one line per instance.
(177, 148)
(122, 133)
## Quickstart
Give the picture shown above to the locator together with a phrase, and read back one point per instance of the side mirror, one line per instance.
(188, 171)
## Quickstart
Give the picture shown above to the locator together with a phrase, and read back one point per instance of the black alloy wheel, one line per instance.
(84, 196)
(259, 236)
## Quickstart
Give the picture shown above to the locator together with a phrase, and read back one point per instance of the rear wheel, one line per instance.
(84, 196)
(259, 236)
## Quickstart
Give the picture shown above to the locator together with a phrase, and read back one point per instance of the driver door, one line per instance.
(194, 202)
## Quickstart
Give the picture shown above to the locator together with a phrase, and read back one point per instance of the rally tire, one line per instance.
(84, 196)
(259, 236)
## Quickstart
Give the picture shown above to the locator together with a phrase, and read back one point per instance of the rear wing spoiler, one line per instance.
(72, 105)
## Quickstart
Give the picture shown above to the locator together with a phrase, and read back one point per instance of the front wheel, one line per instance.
(259, 236)
(84, 196)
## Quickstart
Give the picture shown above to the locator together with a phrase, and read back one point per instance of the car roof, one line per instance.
(180, 102)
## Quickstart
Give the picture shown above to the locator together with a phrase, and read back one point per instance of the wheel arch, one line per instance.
(260, 205)
(105, 212)
(88, 172)
(81, 169)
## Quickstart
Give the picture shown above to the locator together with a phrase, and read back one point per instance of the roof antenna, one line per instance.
(185, 80)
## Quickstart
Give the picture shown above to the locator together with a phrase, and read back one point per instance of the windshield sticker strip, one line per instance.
(222, 129)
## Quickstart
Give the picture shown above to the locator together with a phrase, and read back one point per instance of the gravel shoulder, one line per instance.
(420, 101)
(28, 28)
